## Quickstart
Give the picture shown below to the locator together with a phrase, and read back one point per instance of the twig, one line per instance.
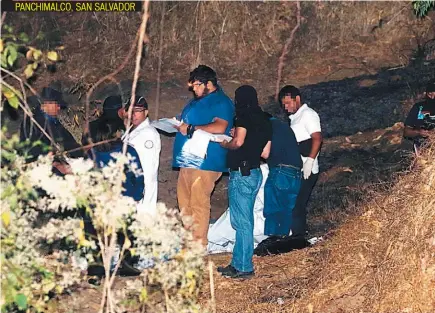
(264, 48)
(285, 49)
(212, 294)
(3, 18)
(22, 83)
(92, 145)
(110, 76)
(159, 68)
(140, 43)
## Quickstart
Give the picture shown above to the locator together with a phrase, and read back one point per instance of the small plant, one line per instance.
(20, 58)
(44, 242)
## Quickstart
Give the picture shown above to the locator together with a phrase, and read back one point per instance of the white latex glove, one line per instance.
(308, 167)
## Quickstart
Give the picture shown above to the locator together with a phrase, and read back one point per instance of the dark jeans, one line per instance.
(280, 193)
(242, 191)
(299, 225)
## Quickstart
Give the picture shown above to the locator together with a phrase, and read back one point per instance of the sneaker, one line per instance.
(231, 272)
(222, 269)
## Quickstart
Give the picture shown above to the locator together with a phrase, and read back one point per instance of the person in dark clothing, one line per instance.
(420, 122)
(284, 180)
(111, 106)
(253, 132)
(45, 112)
(133, 185)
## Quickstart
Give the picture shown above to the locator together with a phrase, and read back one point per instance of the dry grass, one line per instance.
(242, 40)
(381, 261)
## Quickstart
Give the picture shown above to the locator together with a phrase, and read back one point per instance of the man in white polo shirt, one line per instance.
(305, 123)
(145, 139)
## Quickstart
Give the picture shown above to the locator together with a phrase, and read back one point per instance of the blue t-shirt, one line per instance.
(284, 148)
(202, 112)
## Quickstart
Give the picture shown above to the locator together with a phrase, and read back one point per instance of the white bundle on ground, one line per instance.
(221, 235)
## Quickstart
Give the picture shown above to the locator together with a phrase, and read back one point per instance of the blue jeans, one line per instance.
(242, 191)
(280, 193)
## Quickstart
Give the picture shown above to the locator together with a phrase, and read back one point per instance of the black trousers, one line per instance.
(299, 214)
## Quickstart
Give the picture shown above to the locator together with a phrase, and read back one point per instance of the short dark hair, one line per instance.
(204, 74)
(288, 90)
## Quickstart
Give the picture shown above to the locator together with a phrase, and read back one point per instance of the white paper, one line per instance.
(220, 138)
(198, 144)
(166, 124)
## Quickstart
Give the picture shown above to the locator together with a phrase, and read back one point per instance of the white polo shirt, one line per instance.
(146, 141)
(303, 123)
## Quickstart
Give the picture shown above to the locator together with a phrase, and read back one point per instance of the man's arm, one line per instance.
(218, 126)
(238, 140)
(315, 145)
(266, 150)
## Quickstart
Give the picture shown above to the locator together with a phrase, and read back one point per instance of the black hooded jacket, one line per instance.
(258, 129)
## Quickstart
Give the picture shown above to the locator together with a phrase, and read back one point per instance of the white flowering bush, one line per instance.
(30, 273)
(43, 238)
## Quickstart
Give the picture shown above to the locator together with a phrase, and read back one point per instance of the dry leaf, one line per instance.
(377, 138)
(76, 120)
(347, 169)
(348, 139)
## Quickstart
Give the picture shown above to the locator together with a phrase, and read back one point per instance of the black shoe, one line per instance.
(231, 272)
(222, 269)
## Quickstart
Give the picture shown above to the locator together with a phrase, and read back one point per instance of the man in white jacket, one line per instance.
(145, 139)
(305, 123)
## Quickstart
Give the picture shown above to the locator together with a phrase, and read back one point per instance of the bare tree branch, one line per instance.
(3, 19)
(140, 43)
(159, 67)
(111, 77)
(285, 49)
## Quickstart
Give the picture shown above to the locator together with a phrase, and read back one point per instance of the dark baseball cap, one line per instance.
(112, 103)
(50, 94)
(139, 102)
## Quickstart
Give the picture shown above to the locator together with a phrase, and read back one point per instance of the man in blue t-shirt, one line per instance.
(210, 110)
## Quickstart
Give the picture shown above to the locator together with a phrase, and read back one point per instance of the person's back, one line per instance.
(283, 182)
(257, 127)
(252, 136)
(133, 185)
(284, 148)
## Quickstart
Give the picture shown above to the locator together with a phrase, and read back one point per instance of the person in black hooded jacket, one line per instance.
(45, 112)
(252, 136)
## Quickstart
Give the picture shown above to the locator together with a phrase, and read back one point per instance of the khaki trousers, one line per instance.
(194, 190)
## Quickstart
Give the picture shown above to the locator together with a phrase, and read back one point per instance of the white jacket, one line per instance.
(146, 141)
